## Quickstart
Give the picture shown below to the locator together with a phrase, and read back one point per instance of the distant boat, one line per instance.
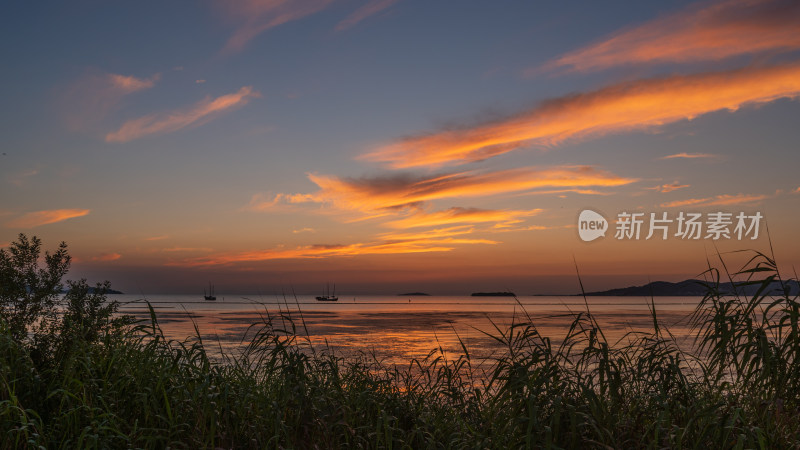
(210, 294)
(328, 297)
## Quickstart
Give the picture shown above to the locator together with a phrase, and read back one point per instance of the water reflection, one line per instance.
(395, 330)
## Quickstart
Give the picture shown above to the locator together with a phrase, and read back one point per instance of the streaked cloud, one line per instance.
(388, 194)
(38, 218)
(437, 233)
(719, 200)
(186, 249)
(371, 8)
(170, 121)
(701, 32)
(254, 17)
(623, 107)
(669, 187)
(106, 257)
(87, 101)
(461, 215)
(156, 238)
(396, 246)
(304, 230)
(129, 83)
(20, 178)
(690, 156)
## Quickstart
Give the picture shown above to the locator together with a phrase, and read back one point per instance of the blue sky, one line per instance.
(268, 143)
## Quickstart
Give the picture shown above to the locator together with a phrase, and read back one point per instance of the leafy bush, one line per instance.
(38, 314)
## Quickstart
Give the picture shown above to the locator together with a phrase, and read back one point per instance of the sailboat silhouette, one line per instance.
(328, 297)
(210, 295)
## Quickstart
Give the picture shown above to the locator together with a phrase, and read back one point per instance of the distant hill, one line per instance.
(690, 288)
(493, 294)
(93, 290)
(413, 293)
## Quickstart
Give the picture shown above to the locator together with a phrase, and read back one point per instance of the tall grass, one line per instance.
(736, 386)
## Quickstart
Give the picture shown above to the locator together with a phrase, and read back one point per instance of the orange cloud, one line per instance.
(567, 191)
(171, 121)
(404, 192)
(689, 156)
(698, 33)
(371, 8)
(156, 238)
(439, 235)
(107, 257)
(325, 251)
(622, 107)
(664, 188)
(258, 16)
(719, 200)
(461, 215)
(38, 218)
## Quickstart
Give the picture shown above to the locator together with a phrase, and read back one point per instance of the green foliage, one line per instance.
(737, 388)
(29, 292)
(36, 312)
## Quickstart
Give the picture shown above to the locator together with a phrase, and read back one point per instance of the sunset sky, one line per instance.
(395, 145)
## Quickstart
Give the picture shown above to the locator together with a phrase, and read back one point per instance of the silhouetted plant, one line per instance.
(30, 289)
(38, 313)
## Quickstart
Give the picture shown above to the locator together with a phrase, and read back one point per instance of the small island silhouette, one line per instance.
(696, 288)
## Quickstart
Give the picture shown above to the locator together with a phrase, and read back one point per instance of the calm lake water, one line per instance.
(397, 328)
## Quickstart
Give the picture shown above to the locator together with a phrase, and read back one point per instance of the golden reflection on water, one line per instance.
(394, 332)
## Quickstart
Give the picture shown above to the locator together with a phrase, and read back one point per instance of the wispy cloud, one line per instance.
(371, 8)
(701, 32)
(129, 83)
(437, 233)
(690, 156)
(257, 16)
(394, 246)
(186, 249)
(304, 230)
(175, 120)
(622, 107)
(88, 100)
(20, 178)
(106, 257)
(38, 218)
(669, 187)
(719, 200)
(156, 238)
(461, 215)
(405, 192)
